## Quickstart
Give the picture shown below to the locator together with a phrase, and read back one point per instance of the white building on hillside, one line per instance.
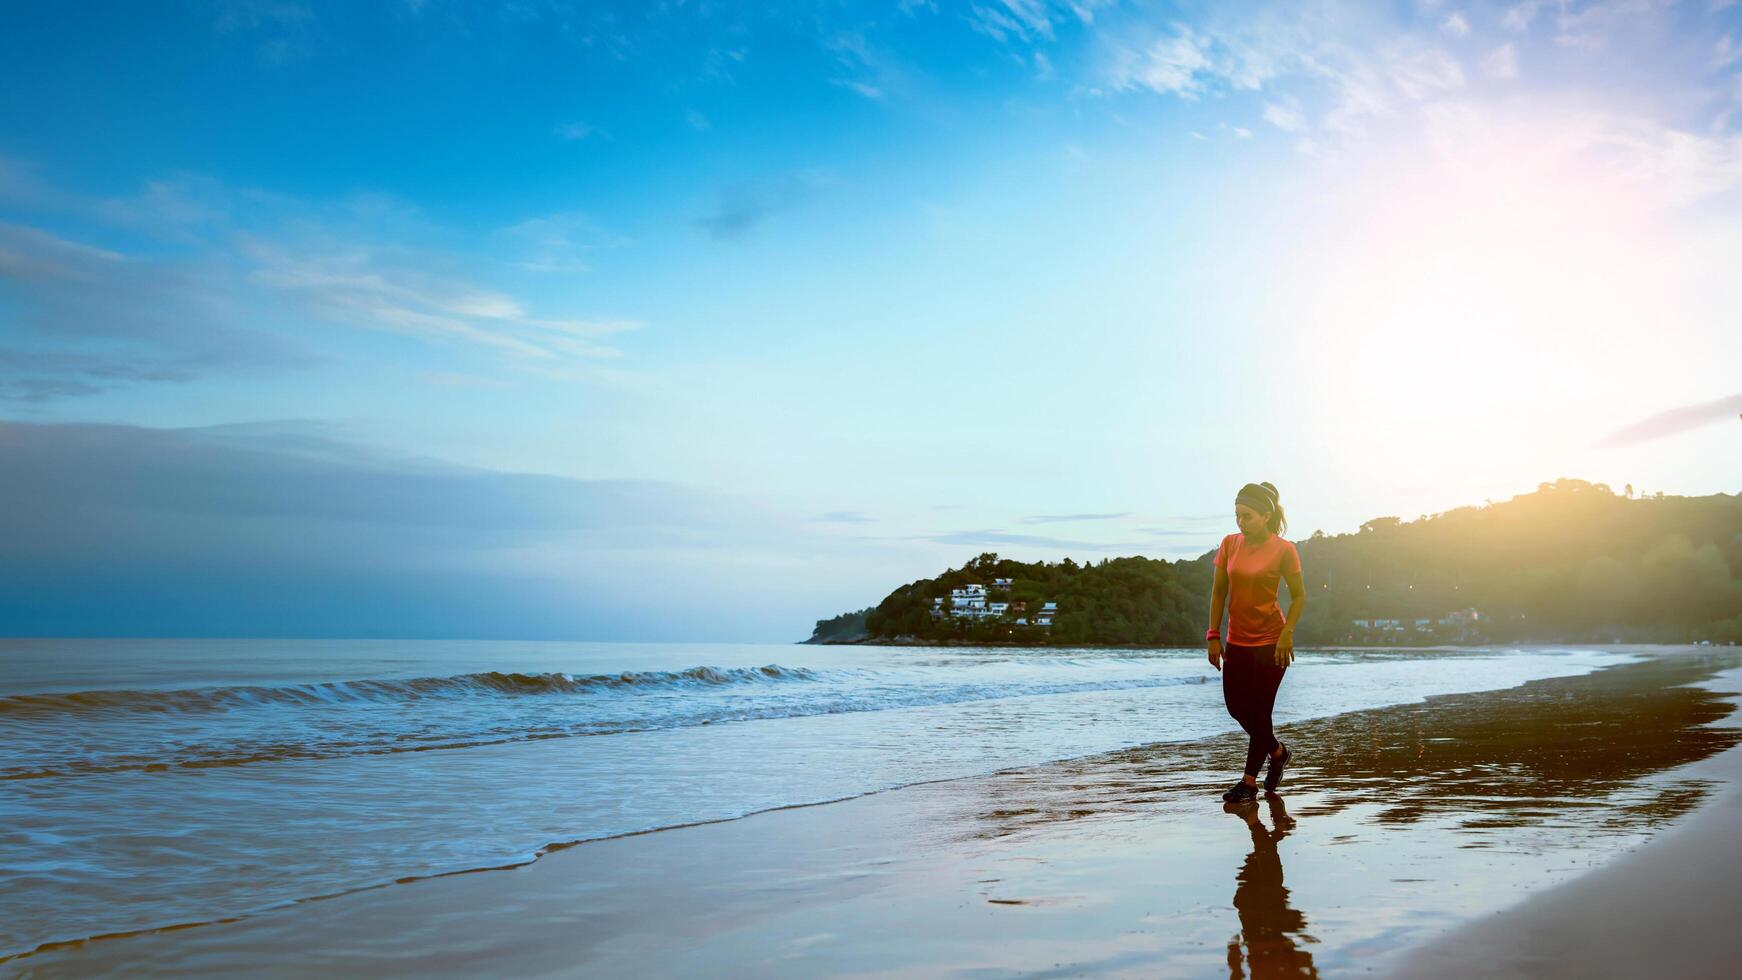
(968, 596)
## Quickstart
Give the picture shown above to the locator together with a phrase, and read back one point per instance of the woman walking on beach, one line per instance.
(1260, 639)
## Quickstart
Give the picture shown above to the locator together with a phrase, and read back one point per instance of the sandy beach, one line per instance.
(1585, 809)
(1665, 910)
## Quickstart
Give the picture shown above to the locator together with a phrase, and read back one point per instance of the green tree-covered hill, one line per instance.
(1572, 561)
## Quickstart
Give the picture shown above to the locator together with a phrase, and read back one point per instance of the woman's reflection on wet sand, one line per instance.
(1266, 945)
(1550, 774)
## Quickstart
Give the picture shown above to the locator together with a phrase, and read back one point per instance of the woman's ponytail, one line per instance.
(1276, 520)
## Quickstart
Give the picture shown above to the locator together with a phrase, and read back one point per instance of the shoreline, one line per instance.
(1058, 863)
(1470, 645)
(1666, 908)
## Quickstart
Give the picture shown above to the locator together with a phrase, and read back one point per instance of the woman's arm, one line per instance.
(1296, 606)
(1218, 600)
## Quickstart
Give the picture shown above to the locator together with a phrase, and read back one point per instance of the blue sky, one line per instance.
(778, 306)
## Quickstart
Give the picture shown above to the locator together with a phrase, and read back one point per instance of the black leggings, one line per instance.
(1250, 678)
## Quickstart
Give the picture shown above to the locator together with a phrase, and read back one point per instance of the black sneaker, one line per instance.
(1273, 774)
(1242, 792)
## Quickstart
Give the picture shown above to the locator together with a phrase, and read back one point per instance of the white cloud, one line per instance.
(576, 131)
(1340, 70)
(1518, 17)
(1284, 117)
(1668, 164)
(1726, 52)
(1455, 25)
(1502, 62)
(1626, 158)
(1420, 73)
(1172, 63)
(1363, 71)
(1592, 26)
(1402, 75)
(868, 91)
(459, 379)
(98, 318)
(557, 243)
(871, 72)
(697, 121)
(385, 289)
(1023, 20)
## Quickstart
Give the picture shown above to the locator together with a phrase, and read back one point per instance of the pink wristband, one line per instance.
(1212, 635)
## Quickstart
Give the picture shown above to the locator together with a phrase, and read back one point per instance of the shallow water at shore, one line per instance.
(1399, 823)
(222, 779)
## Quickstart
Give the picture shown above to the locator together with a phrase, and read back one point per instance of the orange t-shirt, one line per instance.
(1254, 617)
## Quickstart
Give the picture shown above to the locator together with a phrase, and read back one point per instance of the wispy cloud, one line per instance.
(844, 517)
(578, 131)
(1366, 72)
(996, 538)
(1502, 62)
(382, 289)
(1726, 52)
(1178, 62)
(1028, 21)
(870, 71)
(1675, 421)
(743, 206)
(1655, 161)
(249, 15)
(560, 242)
(1062, 518)
(1593, 25)
(280, 30)
(89, 319)
(1284, 115)
(1172, 532)
(1004, 20)
(1350, 74)
(1518, 16)
(866, 89)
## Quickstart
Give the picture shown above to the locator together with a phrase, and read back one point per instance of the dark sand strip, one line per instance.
(1400, 824)
(1672, 908)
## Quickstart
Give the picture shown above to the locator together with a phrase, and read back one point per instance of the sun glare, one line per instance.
(1473, 286)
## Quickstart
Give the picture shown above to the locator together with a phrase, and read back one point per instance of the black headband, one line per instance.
(1257, 496)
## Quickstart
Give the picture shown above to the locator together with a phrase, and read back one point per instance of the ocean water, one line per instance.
(150, 783)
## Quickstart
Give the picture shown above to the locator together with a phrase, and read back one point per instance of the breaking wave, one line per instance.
(488, 683)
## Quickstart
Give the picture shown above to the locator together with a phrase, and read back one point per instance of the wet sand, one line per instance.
(1667, 909)
(1402, 831)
